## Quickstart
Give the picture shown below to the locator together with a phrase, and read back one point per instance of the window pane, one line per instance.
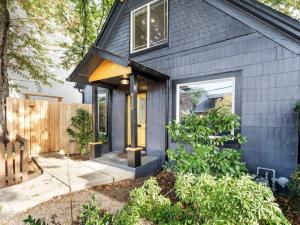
(198, 97)
(102, 103)
(140, 29)
(142, 111)
(158, 23)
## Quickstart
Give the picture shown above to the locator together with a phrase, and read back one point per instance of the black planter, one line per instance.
(98, 149)
(105, 148)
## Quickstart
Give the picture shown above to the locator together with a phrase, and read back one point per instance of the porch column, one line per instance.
(133, 153)
(95, 113)
(133, 109)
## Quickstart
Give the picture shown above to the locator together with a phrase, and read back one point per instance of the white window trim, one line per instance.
(203, 82)
(148, 26)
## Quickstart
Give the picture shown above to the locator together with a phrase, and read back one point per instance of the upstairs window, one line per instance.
(149, 25)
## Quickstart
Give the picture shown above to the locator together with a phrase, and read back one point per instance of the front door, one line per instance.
(141, 118)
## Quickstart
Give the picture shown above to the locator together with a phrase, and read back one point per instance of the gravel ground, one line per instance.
(58, 211)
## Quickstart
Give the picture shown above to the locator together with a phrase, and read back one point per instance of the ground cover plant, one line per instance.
(203, 200)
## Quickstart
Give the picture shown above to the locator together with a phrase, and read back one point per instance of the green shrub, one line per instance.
(203, 200)
(294, 188)
(91, 214)
(81, 129)
(229, 200)
(207, 159)
(147, 203)
(216, 127)
(31, 221)
(207, 134)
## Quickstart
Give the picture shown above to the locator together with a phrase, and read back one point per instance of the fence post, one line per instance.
(2, 166)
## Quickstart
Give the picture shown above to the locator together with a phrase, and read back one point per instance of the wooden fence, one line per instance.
(43, 123)
(13, 163)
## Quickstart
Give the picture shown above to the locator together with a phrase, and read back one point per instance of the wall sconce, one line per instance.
(125, 80)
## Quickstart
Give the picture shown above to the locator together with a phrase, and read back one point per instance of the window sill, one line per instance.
(147, 50)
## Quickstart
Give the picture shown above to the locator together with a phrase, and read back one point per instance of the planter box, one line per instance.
(97, 149)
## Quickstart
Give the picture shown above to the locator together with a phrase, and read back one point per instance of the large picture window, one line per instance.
(199, 97)
(149, 25)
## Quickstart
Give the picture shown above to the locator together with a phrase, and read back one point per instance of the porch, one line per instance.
(149, 164)
(134, 125)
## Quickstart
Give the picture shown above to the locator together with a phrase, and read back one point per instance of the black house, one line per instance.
(155, 60)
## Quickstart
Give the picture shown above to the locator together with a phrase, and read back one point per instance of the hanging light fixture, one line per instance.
(125, 80)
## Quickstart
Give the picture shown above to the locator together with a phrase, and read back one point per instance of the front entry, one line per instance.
(141, 118)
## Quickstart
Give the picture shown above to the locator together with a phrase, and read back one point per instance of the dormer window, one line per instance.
(149, 26)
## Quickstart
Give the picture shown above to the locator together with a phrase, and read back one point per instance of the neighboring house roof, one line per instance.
(273, 24)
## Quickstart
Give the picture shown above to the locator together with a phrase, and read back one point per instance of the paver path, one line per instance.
(54, 181)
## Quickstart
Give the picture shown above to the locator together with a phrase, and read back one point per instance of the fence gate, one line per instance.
(43, 123)
(13, 163)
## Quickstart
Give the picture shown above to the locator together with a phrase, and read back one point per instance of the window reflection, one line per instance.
(146, 34)
(102, 104)
(158, 23)
(140, 29)
(199, 97)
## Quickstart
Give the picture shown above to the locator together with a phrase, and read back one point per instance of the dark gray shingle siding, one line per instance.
(205, 41)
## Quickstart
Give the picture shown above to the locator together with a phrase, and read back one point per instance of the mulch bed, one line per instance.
(112, 197)
(79, 157)
(286, 207)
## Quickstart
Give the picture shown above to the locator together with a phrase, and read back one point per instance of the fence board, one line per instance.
(17, 163)
(22, 119)
(10, 168)
(25, 162)
(2, 166)
(42, 123)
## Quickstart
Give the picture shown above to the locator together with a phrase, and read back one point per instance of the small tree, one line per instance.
(81, 129)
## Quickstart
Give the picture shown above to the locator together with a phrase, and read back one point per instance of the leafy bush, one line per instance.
(228, 200)
(81, 129)
(203, 200)
(207, 159)
(294, 188)
(214, 128)
(147, 203)
(92, 214)
(31, 221)
(207, 134)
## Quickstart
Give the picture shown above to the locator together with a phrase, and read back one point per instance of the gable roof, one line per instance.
(110, 21)
(96, 56)
(275, 25)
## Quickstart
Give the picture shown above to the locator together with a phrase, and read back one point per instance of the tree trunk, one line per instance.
(4, 88)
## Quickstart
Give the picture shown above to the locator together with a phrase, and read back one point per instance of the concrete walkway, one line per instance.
(55, 181)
